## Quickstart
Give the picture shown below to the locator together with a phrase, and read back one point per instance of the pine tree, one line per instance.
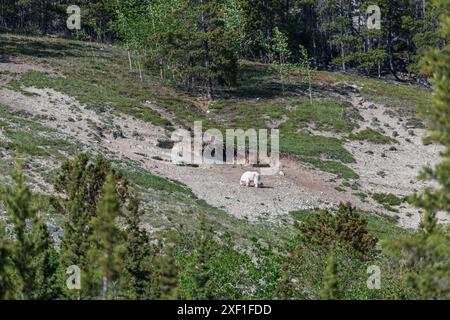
(82, 180)
(6, 281)
(338, 23)
(330, 290)
(203, 254)
(46, 264)
(21, 212)
(107, 243)
(200, 49)
(167, 274)
(34, 257)
(139, 258)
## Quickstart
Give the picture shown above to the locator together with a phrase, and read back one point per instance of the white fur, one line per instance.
(251, 176)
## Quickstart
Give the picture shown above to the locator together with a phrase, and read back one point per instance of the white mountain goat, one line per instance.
(251, 176)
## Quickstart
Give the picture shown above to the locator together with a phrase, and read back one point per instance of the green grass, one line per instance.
(99, 93)
(334, 167)
(402, 97)
(324, 115)
(361, 195)
(32, 144)
(382, 226)
(29, 137)
(314, 146)
(301, 215)
(387, 198)
(326, 154)
(146, 179)
(371, 135)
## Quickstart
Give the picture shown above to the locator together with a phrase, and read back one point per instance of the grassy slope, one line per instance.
(99, 77)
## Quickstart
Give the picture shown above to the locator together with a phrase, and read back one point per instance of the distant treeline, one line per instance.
(197, 43)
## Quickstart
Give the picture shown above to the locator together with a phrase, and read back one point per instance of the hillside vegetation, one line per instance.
(87, 179)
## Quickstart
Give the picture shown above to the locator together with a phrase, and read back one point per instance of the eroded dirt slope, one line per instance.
(120, 136)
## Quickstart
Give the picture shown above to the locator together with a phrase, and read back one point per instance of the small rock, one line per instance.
(165, 144)
(381, 174)
(99, 131)
(395, 134)
(411, 132)
(118, 133)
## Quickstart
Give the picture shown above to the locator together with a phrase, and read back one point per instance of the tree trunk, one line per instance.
(105, 285)
(140, 70)
(129, 60)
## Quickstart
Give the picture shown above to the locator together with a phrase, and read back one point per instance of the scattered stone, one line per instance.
(411, 132)
(99, 132)
(137, 135)
(414, 123)
(141, 154)
(395, 134)
(390, 113)
(381, 174)
(118, 133)
(393, 148)
(184, 164)
(165, 144)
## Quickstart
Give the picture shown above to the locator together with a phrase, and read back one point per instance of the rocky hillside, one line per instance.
(359, 140)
